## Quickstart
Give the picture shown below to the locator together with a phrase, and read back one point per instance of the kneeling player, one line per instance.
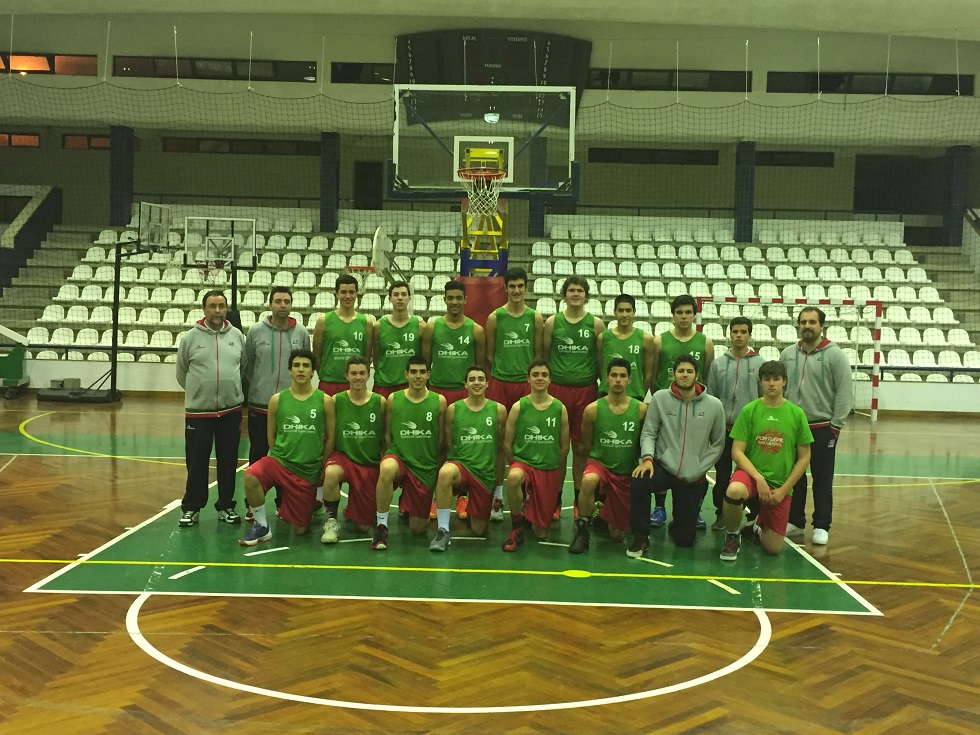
(611, 428)
(536, 445)
(300, 431)
(473, 442)
(414, 441)
(359, 429)
(771, 447)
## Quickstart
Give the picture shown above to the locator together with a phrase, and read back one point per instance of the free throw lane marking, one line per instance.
(184, 573)
(132, 627)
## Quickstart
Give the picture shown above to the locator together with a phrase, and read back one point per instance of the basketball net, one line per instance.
(482, 190)
(212, 271)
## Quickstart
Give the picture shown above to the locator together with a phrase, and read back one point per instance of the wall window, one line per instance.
(875, 83)
(669, 80)
(65, 64)
(242, 146)
(20, 140)
(262, 70)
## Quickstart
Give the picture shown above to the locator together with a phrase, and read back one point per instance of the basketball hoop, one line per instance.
(212, 272)
(482, 189)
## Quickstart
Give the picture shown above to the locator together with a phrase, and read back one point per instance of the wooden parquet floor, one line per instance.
(69, 665)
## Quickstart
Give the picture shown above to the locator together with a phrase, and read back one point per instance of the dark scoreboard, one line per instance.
(492, 56)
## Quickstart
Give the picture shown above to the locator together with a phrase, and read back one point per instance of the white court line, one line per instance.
(725, 587)
(132, 627)
(184, 573)
(472, 538)
(268, 551)
(552, 543)
(655, 561)
(966, 566)
(830, 575)
(8, 463)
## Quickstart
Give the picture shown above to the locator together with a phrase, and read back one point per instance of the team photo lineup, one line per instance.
(479, 419)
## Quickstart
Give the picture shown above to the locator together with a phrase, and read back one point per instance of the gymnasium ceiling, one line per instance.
(926, 18)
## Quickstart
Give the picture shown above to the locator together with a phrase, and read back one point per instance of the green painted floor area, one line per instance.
(472, 569)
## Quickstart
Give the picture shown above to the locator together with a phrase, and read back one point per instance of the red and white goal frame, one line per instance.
(858, 304)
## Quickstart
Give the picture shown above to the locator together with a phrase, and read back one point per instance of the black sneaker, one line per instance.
(229, 516)
(380, 540)
(515, 540)
(188, 519)
(730, 551)
(639, 545)
(580, 542)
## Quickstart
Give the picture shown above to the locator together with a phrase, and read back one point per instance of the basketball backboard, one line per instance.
(529, 132)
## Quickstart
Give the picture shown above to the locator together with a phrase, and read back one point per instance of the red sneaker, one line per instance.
(461, 503)
(515, 540)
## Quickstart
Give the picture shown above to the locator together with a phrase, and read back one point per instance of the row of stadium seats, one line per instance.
(705, 233)
(726, 254)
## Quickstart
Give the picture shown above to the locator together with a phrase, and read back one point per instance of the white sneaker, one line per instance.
(794, 532)
(820, 536)
(497, 510)
(331, 529)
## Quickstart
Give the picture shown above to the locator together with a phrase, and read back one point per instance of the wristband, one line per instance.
(647, 458)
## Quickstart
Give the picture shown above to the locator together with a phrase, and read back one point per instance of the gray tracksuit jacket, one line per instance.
(687, 438)
(819, 382)
(735, 382)
(267, 351)
(210, 366)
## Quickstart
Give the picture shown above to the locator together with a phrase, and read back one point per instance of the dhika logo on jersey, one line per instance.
(513, 339)
(567, 344)
(410, 430)
(534, 435)
(295, 423)
(611, 439)
(395, 348)
(353, 430)
(471, 434)
(446, 349)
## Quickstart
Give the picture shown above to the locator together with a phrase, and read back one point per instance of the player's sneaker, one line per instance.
(188, 518)
(441, 541)
(255, 534)
(639, 545)
(820, 536)
(794, 532)
(658, 517)
(380, 540)
(497, 509)
(461, 502)
(719, 524)
(730, 550)
(515, 540)
(432, 511)
(331, 530)
(701, 524)
(229, 516)
(580, 542)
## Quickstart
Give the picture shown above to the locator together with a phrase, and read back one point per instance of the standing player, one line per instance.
(633, 345)
(394, 339)
(300, 434)
(734, 380)
(339, 334)
(611, 429)
(681, 339)
(571, 347)
(514, 337)
(819, 382)
(451, 344)
(268, 346)
(536, 446)
(360, 417)
(414, 441)
(682, 438)
(772, 449)
(210, 366)
(473, 440)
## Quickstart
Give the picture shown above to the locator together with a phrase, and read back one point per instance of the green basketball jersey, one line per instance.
(671, 349)
(358, 429)
(514, 348)
(395, 346)
(537, 438)
(771, 436)
(573, 351)
(475, 441)
(453, 351)
(300, 431)
(631, 350)
(341, 340)
(616, 438)
(415, 434)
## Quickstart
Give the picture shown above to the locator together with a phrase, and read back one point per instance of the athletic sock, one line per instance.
(516, 521)
(333, 507)
(259, 515)
(382, 518)
(498, 492)
(442, 517)
(319, 493)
